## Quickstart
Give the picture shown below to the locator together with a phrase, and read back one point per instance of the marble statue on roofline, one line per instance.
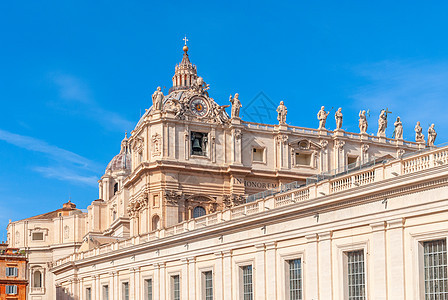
(157, 99)
(281, 113)
(432, 134)
(382, 123)
(363, 122)
(338, 118)
(398, 132)
(322, 117)
(236, 105)
(419, 136)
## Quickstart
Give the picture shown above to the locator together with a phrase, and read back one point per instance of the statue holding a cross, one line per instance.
(382, 122)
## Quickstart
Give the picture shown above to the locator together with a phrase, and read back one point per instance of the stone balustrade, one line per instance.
(350, 180)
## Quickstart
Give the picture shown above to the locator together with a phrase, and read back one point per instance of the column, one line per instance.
(162, 279)
(377, 266)
(138, 287)
(156, 282)
(395, 263)
(259, 278)
(325, 280)
(311, 268)
(227, 274)
(132, 294)
(219, 277)
(185, 278)
(192, 278)
(94, 287)
(98, 288)
(271, 268)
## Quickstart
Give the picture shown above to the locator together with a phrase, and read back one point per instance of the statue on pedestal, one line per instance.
(322, 117)
(281, 113)
(157, 99)
(432, 134)
(419, 136)
(338, 118)
(236, 105)
(363, 122)
(382, 123)
(398, 132)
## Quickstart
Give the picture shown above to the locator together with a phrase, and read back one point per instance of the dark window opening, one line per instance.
(199, 142)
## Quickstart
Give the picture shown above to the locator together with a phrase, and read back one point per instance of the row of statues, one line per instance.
(363, 125)
(219, 113)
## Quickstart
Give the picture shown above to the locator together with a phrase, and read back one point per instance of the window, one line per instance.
(114, 215)
(148, 289)
(199, 143)
(155, 200)
(38, 236)
(351, 161)
(303, 159)
(105, 292)
(37, 278)
(125, 291)
(115, 188)
(12, 271)
(88, 293)
(208, 285)
(295, 279)
(356, 275)
(198, 211)
(258, 155)
(11, 289)
(175, 287)
(155, 222)
(435, 267)
(247, 283)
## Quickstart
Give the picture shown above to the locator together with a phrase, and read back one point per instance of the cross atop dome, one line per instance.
(185, 72)
(185, 46)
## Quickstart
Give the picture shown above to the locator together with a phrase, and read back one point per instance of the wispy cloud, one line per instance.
(65, 174)
(67, 165)
(74, 90)
(415, 91)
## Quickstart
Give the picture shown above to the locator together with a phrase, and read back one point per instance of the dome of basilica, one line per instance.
(121, 161)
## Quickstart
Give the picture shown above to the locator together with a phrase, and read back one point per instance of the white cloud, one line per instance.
(72, 89)
(65, 174)
(68, 165)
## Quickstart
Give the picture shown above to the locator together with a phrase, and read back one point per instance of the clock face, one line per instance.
(199, 106)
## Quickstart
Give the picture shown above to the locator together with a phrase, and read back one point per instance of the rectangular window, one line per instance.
(208, 285)
(295, 279)
(148, 289)
(258, 155)
(356, 275)
(435, 266)
(105, 292)
(12, 271)
(303, 159)
(38, 236)
(175, 286)
(88, 293)
(125, 290)
(11, 289)
(248, 293)
(352, 161)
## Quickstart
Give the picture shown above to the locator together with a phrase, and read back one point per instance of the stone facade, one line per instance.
(173, 203)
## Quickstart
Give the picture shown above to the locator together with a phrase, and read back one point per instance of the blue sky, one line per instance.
(74, 75)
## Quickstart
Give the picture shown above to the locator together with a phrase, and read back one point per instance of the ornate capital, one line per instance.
(172, 197)
(339, 144)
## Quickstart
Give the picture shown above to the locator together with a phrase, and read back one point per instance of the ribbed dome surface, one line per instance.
(121, 161)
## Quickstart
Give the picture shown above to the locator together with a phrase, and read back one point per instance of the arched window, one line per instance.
(37, 278)
(155, 222)
(199, 211)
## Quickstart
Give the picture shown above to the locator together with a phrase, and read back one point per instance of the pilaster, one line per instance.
(260, 278)
(325, 277)
(311, 268)
(377, 270)
(395, 256)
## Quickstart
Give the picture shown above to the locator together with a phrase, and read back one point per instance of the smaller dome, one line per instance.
(121, 161)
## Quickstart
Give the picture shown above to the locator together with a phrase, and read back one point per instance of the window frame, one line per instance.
(172, 285)
(241, 271)
(124, 282)
(202, 282)
(422, 243)
(283, 266)
(104, 286)
(264, 155)
(88, 292)
(145, 288)
(343, 274)
(15, 272)
(14, 287)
